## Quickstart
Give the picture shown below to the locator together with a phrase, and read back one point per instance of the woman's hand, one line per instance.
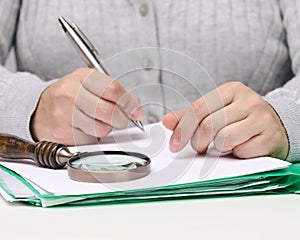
(82, 107)
(235, 118)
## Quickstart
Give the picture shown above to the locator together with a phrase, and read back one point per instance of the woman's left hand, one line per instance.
(236, 118)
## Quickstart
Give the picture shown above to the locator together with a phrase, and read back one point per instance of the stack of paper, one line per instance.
(173, 176)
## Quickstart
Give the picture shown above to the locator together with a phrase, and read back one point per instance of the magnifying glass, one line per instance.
(99, 166)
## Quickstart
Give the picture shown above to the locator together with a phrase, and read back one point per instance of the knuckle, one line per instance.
(80, 75)
(206, 127)
(198, 109)
(103, 130)
(236, 85)
(126, 101)
(228, 141)
(62, 91)
(224, 141)
(232, 85)
(81, 72)
(104, 110)
(240, 152)
(113, 90)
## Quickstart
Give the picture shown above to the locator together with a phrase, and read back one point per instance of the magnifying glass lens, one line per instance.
(108, 163)
(108, 166)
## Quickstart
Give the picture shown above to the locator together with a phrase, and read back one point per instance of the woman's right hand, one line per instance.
(82, 107)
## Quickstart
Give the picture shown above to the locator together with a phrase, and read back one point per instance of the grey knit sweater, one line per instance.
(203, 43)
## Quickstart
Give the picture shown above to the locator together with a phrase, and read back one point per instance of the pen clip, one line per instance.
(85, 39)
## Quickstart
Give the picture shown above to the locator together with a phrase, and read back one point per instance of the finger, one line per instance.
(111, 90)
(81, 138)
(68, 135)
(213, 123)
(237, 133)
(80, 73)
(255, 147)
(171, 119)
(131, 105)
(263, 144)
(201, 108)
(101, 109)
(90, 125)
(103, 86)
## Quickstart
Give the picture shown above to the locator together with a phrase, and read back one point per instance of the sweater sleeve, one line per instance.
(19, 95)
(286, 100)
(19, 92)
(8, 17)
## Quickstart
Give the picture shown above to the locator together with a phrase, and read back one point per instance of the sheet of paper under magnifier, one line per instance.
(173, 176)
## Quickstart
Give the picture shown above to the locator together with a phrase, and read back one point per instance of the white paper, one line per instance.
(166, 168)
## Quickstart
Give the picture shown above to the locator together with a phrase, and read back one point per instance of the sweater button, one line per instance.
(147, 64)
(144, 9)
(152, 118)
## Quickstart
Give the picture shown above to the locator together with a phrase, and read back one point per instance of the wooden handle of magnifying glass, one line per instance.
(45, 154)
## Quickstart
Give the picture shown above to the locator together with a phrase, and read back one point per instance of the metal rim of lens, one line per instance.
(91, 176)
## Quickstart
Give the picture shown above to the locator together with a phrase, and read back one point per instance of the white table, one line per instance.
(255, 217)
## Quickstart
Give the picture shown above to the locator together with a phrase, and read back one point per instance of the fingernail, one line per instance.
(174, 145)
(135, 113)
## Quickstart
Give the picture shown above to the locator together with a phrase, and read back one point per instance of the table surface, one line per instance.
(254, 217)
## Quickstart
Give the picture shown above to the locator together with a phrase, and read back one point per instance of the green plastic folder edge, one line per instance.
(274, 182)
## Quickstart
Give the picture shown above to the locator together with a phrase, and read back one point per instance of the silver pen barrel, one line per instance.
(86, 51)
(81, 47)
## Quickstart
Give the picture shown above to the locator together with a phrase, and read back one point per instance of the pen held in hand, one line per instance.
(87, 51)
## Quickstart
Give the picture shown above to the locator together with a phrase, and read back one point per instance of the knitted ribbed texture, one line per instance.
(252, 41)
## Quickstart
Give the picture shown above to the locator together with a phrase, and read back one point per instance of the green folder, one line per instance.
(225, 176)
(275, 182)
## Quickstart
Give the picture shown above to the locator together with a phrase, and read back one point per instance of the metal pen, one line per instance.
(87, 51)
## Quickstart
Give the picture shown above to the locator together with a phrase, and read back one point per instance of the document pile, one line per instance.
(173, 176)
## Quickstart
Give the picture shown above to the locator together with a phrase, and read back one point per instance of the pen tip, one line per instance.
(139, 125)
